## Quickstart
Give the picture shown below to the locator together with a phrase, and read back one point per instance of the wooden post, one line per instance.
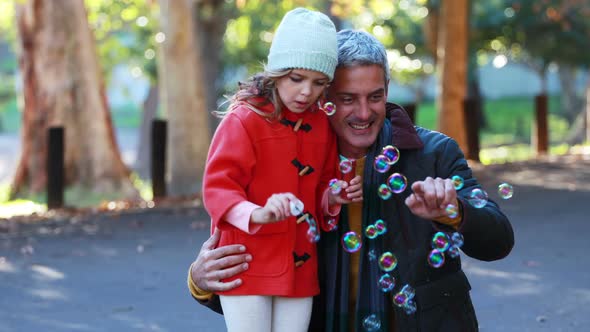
(55, 167)
(540, 135)
(158, 157)
(472, 124)
(411, 110)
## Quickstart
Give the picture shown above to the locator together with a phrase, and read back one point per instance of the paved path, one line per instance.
(127, 272)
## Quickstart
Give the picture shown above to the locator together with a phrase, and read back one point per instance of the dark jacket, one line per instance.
(442, 295)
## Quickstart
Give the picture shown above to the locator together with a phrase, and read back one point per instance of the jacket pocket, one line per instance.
(271, 249)
(445, 305)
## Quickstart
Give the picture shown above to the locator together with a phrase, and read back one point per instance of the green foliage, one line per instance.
(7, 21)
(552, 30)
(537, 31)
(399, 26)
(248, 35)
(124, 32)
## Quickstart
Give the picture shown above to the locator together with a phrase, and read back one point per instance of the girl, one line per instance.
(274, 148)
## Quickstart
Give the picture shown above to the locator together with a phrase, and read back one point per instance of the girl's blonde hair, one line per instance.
(258, 91)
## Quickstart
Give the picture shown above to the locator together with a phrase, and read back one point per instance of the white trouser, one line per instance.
(257, 313)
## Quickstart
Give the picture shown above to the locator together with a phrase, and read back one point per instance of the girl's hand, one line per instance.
(351, 192)
(276, 209)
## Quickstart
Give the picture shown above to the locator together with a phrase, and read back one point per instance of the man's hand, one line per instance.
(431, 197)
(213, 264)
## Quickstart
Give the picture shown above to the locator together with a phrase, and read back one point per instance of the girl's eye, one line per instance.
(295, 79)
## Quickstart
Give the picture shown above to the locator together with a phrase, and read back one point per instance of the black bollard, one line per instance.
(472, 124)
(158, 157)
(540, 135)
(55, 167)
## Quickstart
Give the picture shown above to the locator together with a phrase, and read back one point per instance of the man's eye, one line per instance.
(376, 98)
(347, 100)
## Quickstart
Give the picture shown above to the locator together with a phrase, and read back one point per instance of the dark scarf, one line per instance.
(335, 279)
(331, 308)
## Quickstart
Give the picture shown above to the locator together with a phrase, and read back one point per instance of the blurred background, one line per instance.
(508, 79)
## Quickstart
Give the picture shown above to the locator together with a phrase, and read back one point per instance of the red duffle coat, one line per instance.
(251, 158)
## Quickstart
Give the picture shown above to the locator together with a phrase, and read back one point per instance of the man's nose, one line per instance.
(363, 111)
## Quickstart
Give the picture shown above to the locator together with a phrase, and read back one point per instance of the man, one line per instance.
(350, 298)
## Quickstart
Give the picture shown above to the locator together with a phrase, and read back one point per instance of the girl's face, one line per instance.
(301, 88)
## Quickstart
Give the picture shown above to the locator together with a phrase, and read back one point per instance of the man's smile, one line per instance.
(360, 125)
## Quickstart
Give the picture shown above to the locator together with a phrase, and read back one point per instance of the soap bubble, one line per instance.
(457, 239)
(345, 166)
(384, 191)
(436, 258)
(457, 182)
(371, 232)
(452, 211)
(478, 198)
(397, 183)
(296, 207)
(440, 241)
(335, 186)
(386, 283)
(387, 262)
(380, 226)
(381, 164)
(351, 242)
(391, 153)
(505, 190)
(371, 323)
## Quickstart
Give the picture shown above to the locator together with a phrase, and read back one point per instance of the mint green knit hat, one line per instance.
(305, 39)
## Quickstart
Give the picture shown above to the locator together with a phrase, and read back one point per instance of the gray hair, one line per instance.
(356, 47)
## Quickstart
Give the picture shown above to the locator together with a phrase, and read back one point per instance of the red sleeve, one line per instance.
(329, 172)
(229, 168)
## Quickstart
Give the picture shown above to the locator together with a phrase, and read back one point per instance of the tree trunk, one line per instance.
(588, 109)
(150, 108)
(184, 99)
(571, 105)
(210, 19)
(452, 68)
(62, 86)
(430, 30)
(580, 130)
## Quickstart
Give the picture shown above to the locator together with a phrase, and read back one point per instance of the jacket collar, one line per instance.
(404, 131)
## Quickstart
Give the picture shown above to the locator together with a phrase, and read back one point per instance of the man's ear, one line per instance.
(386, 89)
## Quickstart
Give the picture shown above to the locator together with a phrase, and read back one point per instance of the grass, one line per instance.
(75, 197)
(126, 116)
(10, 117)
(508, 121)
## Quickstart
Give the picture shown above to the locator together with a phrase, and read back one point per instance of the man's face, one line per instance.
(359, 95)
